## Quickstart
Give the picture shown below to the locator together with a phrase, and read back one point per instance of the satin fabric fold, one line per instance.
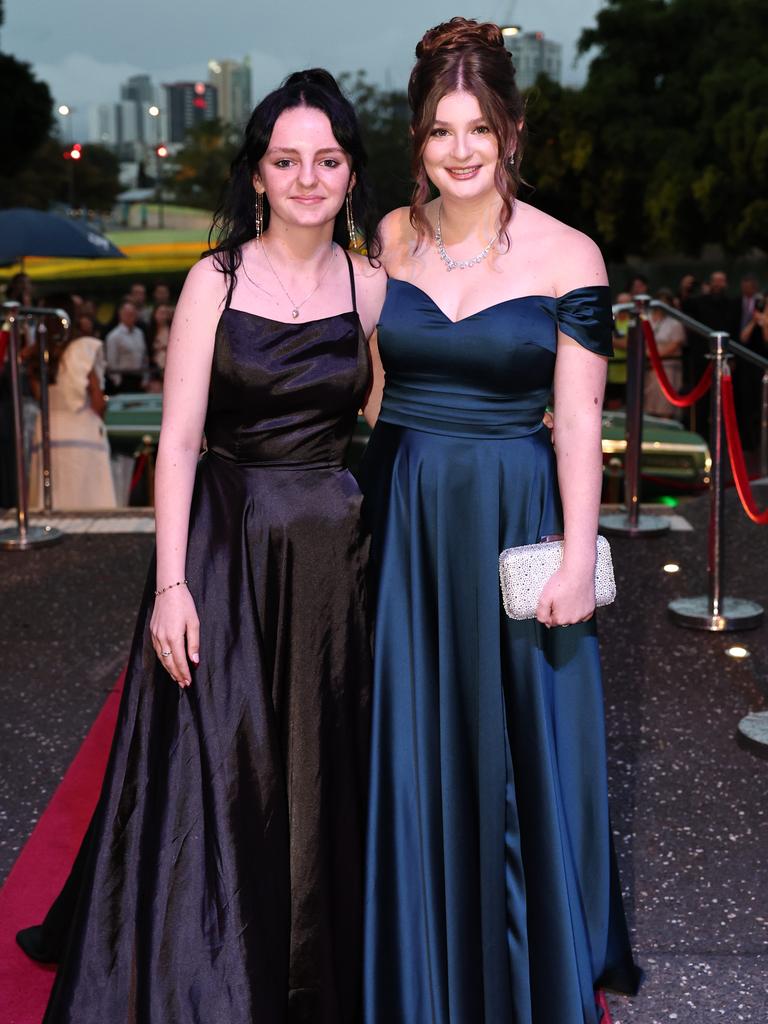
(491, 890)
(222, 881)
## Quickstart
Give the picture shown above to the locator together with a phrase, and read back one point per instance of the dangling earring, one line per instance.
(512, 161)
(259, 214)
(351, 227)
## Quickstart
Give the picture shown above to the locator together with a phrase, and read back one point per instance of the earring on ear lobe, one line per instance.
(512, 160)
(351, 226)
(259, 214)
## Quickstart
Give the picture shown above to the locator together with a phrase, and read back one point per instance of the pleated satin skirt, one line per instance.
(224, 881)
(491, 890)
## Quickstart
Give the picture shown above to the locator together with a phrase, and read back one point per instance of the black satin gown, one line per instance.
(222, 883)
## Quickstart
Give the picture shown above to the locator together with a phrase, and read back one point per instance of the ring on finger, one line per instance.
(165, 654)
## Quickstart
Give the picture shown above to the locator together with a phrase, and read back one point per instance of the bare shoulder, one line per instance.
(371, 285)
(370, 278)
(575, 259)
(205, 279)
(398, 238)
(395, 228)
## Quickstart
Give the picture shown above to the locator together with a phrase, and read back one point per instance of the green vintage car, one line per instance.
(673, 458)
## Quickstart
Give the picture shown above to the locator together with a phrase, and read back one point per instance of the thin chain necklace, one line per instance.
(452, 264)
(296, 306)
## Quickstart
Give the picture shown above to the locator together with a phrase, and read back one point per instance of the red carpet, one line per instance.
(42, 867)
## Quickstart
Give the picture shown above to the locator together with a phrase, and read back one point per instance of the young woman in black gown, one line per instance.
(221, 879)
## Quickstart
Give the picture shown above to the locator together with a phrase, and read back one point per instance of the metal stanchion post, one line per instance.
(24, 536)
(631, 523)
(713, 611)
(45, 416)
(764, 427)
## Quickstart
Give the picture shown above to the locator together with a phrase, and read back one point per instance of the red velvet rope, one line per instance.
(672, 396)
(138, 469)
(736, 455)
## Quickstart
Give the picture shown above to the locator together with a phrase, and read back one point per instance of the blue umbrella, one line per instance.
(25, 232)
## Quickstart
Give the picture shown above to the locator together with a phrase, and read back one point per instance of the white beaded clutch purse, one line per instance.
(524, 570)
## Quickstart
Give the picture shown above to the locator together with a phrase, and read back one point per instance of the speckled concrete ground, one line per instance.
(66, 619)
(690, 805)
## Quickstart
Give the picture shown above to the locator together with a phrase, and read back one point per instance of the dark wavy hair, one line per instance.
(234, 222)
(462, 54)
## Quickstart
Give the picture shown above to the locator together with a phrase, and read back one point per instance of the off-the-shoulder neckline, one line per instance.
(502, 302)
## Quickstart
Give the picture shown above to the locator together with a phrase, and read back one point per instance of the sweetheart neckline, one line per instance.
(289, 323)
(495, 305)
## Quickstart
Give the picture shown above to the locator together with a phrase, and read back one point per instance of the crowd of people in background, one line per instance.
(684, 353)
(126, 352)
(123, 352)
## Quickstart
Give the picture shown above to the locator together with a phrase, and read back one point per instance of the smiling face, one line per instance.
(304, 172)
(462, 152)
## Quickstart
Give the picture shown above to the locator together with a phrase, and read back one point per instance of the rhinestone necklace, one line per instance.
(450, 263)
(296, 306)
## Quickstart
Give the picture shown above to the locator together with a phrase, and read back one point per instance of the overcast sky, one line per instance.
(84, 49)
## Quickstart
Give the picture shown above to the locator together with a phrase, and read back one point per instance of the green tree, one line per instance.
(25, 115)
(676, 106)
(92, 181)
(202, 165)
(556, 162)
(384, 118)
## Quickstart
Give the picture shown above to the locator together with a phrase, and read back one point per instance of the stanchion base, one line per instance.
(647, 526)
(696, 613)
(37, 537)
(753, 733)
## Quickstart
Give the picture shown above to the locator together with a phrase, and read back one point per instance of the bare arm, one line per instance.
(96, 395)
(579, 384)
(372, 289)
(372, 405)
(185, 397)
(674, 344)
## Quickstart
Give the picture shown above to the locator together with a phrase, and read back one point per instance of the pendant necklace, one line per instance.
(296, 306)
(450, 263)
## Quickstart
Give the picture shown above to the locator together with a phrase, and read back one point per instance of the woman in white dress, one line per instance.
(81, 477)
(670, 341)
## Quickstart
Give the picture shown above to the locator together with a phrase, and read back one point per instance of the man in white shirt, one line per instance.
(126, 351)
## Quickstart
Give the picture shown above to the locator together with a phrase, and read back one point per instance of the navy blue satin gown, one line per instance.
(491, 890)
(221, 882)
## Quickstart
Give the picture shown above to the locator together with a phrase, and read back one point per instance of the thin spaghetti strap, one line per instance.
(351, 280)
(231, 283)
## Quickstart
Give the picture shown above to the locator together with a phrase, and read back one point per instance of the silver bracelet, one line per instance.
(178, 583)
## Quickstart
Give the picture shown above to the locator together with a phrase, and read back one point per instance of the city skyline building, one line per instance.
(232, 80)
(533, 55)
(188, 104)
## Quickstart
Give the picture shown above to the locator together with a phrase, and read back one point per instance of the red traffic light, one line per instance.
(162, 151)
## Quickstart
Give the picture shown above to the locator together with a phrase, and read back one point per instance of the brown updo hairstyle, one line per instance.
(469, 56)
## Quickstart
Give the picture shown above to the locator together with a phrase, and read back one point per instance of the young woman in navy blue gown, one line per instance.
(221, 881)
(491, 890)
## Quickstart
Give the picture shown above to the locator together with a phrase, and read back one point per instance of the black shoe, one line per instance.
(31, 942)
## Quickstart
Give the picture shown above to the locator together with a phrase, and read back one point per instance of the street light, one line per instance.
(65, 112)
(511, 30)
(161, 152)
(73, 154)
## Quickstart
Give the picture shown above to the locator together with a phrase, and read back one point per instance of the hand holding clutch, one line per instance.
(525, 570)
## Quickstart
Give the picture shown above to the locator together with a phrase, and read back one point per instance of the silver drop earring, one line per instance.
(259, 214)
